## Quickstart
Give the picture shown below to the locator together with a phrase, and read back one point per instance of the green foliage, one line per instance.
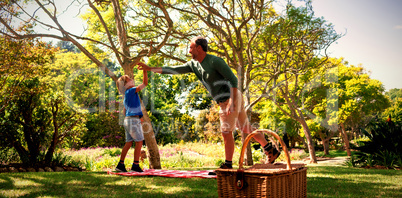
(212, 131)
(394, 111)
(80, 80)
(394, 94)
(273, 118)
(36, 118)
(8, 155)
(24, 122)
(112, 152)
(351, 162)
(103, 130)
(179, 155)
(59, 159)
(384, 147)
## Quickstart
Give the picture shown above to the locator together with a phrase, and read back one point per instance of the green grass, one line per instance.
(322, 181)
(333, 153)
(99, 184)
(341, 181)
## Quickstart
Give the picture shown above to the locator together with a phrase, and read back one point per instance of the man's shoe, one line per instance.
(223, 166)
(136, 168)
(121, 167)
(268, 148)
(226, 166)
(273, 156)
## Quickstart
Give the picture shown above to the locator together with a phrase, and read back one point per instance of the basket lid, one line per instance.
(268, 169)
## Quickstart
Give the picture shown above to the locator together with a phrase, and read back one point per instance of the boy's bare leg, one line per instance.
(137, 151)
(137, 154)
(125, 149)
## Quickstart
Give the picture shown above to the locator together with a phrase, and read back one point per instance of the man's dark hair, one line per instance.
(199, 40)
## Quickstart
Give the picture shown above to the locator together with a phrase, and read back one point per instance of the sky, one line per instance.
(372, 28)
(373, 36)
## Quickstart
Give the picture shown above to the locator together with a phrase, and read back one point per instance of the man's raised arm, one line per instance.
(143, 66)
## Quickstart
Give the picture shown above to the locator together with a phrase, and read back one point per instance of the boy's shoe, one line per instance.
(136, 168)
(121, 167)
(226, 166)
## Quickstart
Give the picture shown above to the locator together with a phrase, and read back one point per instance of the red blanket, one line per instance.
(167, 173)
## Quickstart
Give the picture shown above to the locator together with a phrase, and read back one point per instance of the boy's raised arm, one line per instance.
(144, 81)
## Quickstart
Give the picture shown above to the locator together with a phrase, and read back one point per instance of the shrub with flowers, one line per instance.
(180, 155)
(104, 129)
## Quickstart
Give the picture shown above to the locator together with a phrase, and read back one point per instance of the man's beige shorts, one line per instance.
(238, 118)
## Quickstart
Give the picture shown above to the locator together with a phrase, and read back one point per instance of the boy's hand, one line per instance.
(143, 66)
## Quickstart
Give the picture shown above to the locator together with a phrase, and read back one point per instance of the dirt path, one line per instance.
(336, 161)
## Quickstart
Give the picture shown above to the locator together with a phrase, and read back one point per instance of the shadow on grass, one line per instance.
(100, 184)
(322, 181)
(353, 182)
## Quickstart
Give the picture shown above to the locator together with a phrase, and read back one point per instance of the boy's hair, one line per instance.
(202, 41)
(121, 82)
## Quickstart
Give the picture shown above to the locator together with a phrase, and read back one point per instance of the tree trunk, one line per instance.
(53, 143)
(310, 143)
(249, 155)
(22, 153)
(345, 139)
(325, 144)
(149, 136)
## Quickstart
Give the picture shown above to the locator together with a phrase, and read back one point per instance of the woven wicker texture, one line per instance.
(264, 180)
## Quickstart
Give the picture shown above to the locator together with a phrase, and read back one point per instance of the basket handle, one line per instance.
(285, 149)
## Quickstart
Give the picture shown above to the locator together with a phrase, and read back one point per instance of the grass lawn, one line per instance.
(322, 181)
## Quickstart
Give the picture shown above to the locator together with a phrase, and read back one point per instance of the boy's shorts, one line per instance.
(133, 128)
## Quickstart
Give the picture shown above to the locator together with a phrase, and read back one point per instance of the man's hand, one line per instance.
(143, 66)
(230, 107)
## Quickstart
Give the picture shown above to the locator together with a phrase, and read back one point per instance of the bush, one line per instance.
(383, 147)
(104, 130)
(8, 155)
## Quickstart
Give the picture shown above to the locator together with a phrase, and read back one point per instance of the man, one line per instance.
(219, 80)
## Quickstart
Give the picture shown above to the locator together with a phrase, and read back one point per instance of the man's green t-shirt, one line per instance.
(213, 72)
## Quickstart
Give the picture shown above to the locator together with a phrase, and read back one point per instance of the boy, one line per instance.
(132, 122)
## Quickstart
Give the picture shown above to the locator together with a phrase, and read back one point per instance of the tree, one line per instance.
(20, 60)
(34, 116)
(37, 118)
(359, 96)
(89, 93)
(295, 43)
(26, 121)
(273, 118)
(394, 93)
(200, 123)
(127, 47)
(355, 97)
(395, 110)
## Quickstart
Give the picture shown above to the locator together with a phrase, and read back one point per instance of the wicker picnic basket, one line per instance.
(263, 180)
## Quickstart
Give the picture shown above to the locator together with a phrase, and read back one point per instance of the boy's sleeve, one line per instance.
(182, 69)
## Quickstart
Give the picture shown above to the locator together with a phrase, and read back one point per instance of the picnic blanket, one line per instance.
(167, 173)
